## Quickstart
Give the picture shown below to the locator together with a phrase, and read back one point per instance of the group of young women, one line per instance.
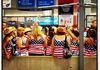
(23, 41)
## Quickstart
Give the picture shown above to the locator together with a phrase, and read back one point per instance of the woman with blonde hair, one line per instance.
(36, 42)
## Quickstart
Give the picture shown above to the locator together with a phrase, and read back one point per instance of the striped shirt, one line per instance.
(89, 50)
(36, 46)
(58, 48)
(74, 47)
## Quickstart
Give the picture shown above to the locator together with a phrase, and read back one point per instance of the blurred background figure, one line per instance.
(51, 32)
(46, 31)
(47, 37)
(48, 42)
(85, 31)
(4, 26)
(94, 26)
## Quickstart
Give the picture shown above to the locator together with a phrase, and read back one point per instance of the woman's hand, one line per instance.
(7, 55)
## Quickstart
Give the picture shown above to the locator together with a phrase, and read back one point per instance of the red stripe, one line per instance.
(58, 52)
(48, 50)
(89, 52)
(38, 49)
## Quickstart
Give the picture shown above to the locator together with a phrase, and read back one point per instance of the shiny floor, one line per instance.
(47, 63)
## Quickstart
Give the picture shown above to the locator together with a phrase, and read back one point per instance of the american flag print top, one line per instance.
(89, 50)
(11, 46)
(36, 46)
(74, 47)
(48, 48)
(58, 48)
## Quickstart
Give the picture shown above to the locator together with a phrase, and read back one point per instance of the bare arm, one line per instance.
(84, 40)
(68, 40)
(71, 34)
(19, 43)
(5, 43)
(27, 43)
(45, 42)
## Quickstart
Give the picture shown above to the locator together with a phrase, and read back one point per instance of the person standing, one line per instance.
(58, 43)
(9, 43)
(36, 42)
(90, 46)
(21, 42)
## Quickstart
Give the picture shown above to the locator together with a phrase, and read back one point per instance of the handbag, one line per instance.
(67, 52)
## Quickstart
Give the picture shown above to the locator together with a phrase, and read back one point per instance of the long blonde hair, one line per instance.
(36, 32)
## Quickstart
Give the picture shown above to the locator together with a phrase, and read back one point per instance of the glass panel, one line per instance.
(90, 39)
(93, 1)
(90, 1)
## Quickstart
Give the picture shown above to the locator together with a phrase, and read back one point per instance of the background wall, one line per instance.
(15, 12)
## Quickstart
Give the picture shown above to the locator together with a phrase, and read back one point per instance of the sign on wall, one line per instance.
(25, 3)
(45, 2)
(29, 19)
(6, 3)
(65, 10)
(34, 3)
(66, 20)
(47, 13)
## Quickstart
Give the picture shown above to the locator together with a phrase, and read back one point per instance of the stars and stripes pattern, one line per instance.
(59, 43)
(74, 48)
(9, 50)
(11, 46)
(36, 49)
(58, 52)
(89, 50)
(40, 41)
(58, 48)
(74, 43)
(48, 50)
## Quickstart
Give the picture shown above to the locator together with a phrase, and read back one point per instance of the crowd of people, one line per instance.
(36, 40)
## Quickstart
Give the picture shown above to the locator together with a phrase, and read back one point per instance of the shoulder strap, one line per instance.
(66, 43)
